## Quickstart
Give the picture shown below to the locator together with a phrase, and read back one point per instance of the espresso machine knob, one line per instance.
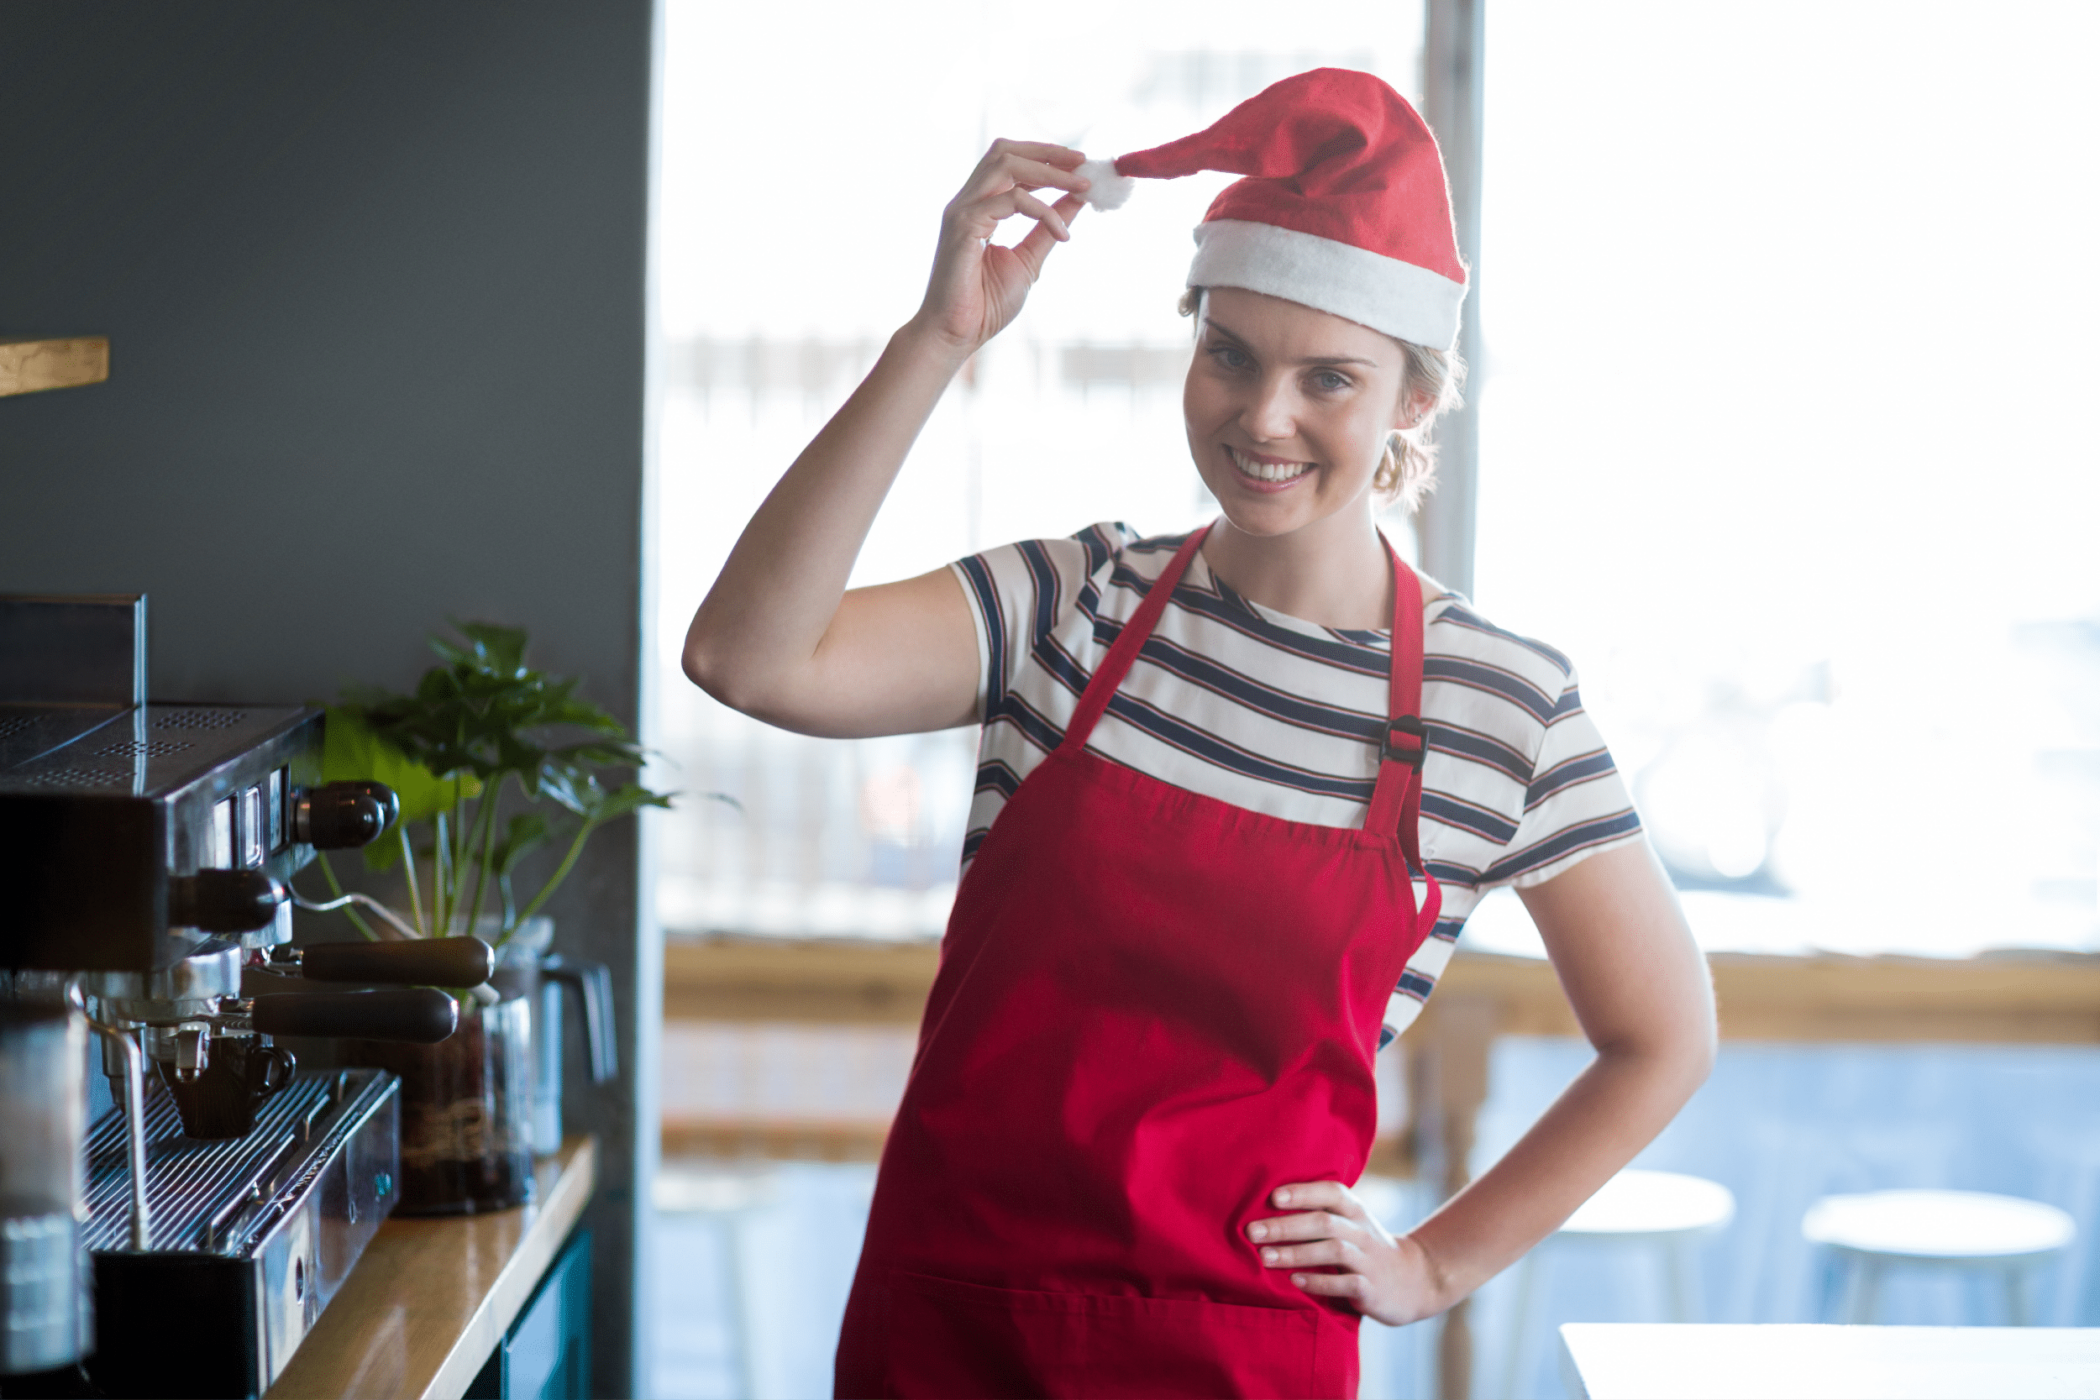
(225, 901)
(339, 816)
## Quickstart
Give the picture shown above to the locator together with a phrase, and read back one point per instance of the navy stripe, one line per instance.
(1219, 604)
(1493, 680)
(1459, 615)
(1251, 694)
(1201, 744)
(1417, 985)
(1050, 653)
(1346, 656)
(1047, 589)
(1035, 726)
(1480, 748)
(979, 575)
(1566, 774)
(997, 775)
(1564, 843)
(1099, 546)
(1467, 816)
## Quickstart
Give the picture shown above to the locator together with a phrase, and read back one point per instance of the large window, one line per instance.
(1783, 392)
(805, 168)
(1789, 371)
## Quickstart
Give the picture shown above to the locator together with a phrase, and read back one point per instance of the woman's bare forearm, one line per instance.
(770, 607)
(1639, 988)
(1613, 1109)
(777, 636)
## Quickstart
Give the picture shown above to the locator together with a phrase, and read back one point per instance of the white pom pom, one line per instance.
(1110, 190)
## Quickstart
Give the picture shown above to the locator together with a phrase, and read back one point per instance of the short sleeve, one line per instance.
(1575, 805)
(1018, 593)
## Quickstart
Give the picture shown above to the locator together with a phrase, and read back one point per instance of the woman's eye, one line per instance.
(1330, 381)
(1230, 356)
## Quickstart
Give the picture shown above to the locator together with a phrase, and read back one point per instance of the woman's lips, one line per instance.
(1259, 475)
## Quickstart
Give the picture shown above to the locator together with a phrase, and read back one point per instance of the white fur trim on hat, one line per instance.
(1110, 190)
(1405, 301)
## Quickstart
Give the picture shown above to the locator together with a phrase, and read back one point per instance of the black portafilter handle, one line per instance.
(417, 1015)
(341, 816)
(224, 901)
(421, 962)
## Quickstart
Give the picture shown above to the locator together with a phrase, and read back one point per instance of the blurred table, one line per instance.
(1744, 1361)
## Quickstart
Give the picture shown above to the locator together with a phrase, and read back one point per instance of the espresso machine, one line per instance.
(179, 1231)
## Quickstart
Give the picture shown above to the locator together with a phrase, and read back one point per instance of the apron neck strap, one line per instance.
(1102, 688)
(1396, 802)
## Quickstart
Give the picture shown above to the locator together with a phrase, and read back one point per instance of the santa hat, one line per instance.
(1344, 208)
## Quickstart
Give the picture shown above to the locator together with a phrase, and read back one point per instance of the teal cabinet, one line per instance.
(546, 1355)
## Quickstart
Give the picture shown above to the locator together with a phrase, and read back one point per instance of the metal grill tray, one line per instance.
(146, 751)
(216, 1197)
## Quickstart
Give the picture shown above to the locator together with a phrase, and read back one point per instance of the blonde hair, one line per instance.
(1408, 471)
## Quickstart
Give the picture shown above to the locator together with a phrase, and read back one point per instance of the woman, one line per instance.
(1227, 782)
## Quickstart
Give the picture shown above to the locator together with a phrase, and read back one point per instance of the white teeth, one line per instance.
(1265, 471)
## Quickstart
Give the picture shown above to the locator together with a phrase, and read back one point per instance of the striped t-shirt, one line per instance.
(1244, 704)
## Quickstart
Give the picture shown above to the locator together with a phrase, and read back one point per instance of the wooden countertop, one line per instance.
(419, 1315)
(2005, 996)
(31, 366)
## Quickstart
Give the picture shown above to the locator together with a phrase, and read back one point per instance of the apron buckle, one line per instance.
(1411, 727)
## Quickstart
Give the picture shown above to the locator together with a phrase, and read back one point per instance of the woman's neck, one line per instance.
(1332, 572)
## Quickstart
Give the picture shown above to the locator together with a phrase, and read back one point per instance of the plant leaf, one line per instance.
(524, 832)
(351, 749)
(627, 798)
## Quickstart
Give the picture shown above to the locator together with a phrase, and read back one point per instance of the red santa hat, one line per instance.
(1344, 208)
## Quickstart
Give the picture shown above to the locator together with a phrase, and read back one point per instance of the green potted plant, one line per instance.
(491, 761)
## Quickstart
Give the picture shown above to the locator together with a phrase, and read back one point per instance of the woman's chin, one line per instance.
(1267, 512)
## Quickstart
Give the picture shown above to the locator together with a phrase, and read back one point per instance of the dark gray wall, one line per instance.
(373, 278)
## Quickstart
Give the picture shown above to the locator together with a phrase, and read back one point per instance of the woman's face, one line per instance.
(1288, 409)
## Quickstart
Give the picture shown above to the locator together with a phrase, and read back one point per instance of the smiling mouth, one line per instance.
(1269, 473)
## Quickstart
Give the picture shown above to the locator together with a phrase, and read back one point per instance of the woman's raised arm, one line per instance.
(778, 636)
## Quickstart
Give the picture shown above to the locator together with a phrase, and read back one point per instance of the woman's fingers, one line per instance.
(1310, 1225)
(1354, 1286)
(1049, 152)
(999, 171)
(1310, 1256)
(1031, 250)
(1319, 1195)
(1043, 214)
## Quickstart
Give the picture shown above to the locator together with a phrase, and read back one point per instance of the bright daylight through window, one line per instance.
(802, 192)
(1801, 474)
(1796, 470)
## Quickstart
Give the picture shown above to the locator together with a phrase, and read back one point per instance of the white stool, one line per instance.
(1967, 1231)
(1662, 1213)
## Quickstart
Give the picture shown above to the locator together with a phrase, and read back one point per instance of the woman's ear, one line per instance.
(1414, 407)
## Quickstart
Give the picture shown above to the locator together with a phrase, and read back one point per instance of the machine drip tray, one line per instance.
(251, 1237)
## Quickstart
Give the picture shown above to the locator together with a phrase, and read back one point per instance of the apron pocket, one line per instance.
(947, 1338)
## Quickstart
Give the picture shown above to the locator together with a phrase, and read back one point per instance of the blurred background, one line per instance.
(1780, 394)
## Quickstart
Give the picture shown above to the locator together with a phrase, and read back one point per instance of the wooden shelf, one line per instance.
(430, 1299)
(30, 366)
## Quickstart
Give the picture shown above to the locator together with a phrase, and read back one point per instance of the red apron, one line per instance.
(1153, 1009)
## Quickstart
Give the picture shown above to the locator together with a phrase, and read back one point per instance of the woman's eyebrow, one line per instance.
(1240, 340)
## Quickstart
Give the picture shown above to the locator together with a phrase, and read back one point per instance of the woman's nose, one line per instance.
(1271, 414)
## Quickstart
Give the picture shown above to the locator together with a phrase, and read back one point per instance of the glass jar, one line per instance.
(466, 1111)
